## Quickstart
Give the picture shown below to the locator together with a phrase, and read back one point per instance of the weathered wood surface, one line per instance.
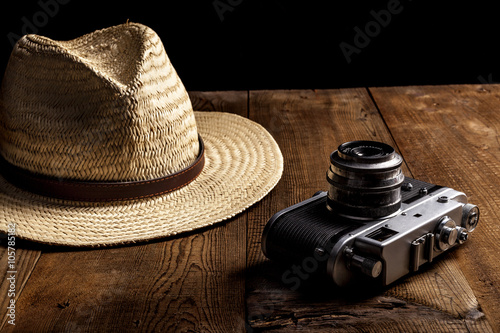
(217, 279)
(25, 263)
(451, 135)
(308, 125)
(191, 283)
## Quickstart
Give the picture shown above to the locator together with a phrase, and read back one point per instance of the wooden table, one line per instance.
(218, 280)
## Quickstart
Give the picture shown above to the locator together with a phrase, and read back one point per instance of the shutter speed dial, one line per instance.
(448, 233)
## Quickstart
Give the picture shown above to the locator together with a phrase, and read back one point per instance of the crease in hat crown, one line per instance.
(107, 106)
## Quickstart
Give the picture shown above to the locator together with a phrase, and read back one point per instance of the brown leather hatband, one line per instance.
(94, 191)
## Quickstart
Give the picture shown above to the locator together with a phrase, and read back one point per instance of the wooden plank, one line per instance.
(25, 262)
(308, 126)
(192, 282)
(450, 135)
(294, 312)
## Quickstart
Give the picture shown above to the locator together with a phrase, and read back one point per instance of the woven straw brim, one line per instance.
(243, 163)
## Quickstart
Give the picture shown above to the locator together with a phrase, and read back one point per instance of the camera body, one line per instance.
(373, 223)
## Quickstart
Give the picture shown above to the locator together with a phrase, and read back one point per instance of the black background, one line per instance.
(279, 44)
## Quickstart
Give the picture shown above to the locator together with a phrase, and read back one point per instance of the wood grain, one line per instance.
(191, 283)
(450, 135)
(186, 284)
(309, 125)
(217, 279)
(25, 262)
(295, 312)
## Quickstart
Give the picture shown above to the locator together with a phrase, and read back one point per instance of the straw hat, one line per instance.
(99, 144)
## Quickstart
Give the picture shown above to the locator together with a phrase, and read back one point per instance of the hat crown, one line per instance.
(107, 106)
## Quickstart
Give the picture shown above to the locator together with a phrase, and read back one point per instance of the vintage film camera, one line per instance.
(373, 223)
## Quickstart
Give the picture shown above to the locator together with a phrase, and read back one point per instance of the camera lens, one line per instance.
(365, 180)
(367, 152)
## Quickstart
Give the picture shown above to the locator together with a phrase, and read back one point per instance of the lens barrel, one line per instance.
(365, 180)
